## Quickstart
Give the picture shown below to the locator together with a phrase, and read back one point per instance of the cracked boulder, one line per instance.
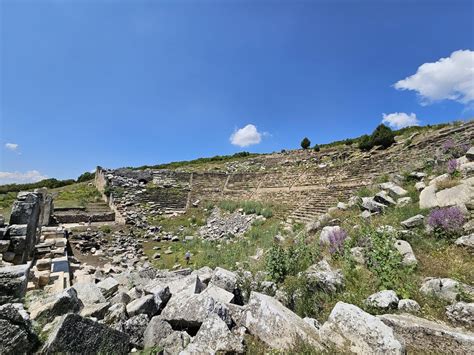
(351, 330)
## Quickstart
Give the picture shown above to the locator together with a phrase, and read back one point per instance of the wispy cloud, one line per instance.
(248, 135)
(11, 146)
(400, 119)
(449, 78)
(7, 177)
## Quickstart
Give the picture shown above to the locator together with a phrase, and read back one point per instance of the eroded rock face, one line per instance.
(276, 325)
(16, 334)
(350, 329)
(424, 336)
(461, 313)
(75, 334)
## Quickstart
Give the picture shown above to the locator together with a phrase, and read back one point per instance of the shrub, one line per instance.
(316, 148)
(384, 260)
(87, 176)
(383, 136)
(365, 143)
(447, 221)
(305, 143)
(276, 263)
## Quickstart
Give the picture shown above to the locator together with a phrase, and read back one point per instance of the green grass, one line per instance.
(6, 201)
(218, 253)
(76, 195)
(248, 207)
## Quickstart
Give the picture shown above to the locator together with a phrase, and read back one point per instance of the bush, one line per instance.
(381, 136)
(87, 176)
(384, 260)
(447, 222)
(276, 263)
(305, 143)
(317, 148)
(365, 143)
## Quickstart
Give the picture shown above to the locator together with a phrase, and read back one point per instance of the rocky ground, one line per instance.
(388, 271)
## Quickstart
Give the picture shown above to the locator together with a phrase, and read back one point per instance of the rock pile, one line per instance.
(220, 225)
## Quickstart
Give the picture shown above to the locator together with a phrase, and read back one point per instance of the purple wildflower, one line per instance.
(337, 238)
(448, 220)
(453, 166)
(455, 150)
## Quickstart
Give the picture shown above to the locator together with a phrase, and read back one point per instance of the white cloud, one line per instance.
(246, 136)
(399, 120)
(449, 78)
(20, 178)
(11, 146)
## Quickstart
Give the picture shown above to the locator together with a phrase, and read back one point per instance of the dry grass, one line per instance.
(446, 184)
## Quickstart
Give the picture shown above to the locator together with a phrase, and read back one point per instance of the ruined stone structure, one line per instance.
(303, 183)
(33, 255)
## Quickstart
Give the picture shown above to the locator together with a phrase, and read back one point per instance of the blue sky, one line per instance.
(127, 83)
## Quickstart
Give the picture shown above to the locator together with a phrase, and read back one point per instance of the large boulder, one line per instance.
(156, 331)
(461, 313)
(143, 305)
(16, 334)
(214, 337)
(224, 279)
(89, 293)
(321, 276)
(58, 305)
(77, 335)
(190, 311)
(424, 336)
(447, 289)
(135, 327)
(458, 195)
(108, 286)
(350, 329)
(275, 325)
(13, 281)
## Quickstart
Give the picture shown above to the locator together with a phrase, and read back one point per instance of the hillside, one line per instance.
(307, 252)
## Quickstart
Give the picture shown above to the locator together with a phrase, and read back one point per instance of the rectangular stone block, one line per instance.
(18, 229)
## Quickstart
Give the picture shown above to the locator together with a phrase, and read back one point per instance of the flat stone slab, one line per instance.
(424, 336)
